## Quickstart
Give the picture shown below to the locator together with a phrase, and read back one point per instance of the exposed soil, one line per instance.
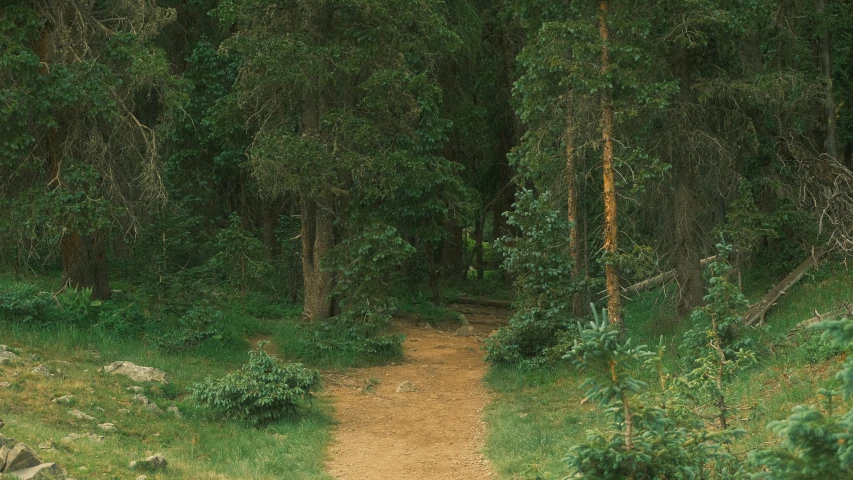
(434, 431)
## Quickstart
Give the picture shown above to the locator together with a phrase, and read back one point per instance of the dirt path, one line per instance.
(434, 431)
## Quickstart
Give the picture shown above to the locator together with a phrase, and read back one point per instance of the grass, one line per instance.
(539, 414)
(197, 445)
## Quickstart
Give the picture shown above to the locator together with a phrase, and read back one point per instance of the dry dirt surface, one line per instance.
(419, 420)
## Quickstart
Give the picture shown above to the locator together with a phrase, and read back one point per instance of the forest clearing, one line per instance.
(426, 239)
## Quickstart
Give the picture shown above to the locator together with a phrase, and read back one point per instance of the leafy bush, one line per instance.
(22, 302)
(197, 325)
(540, 260)
(262, 391)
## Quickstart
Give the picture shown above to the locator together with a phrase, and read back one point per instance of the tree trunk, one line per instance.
(830, 122)
(611, 229)
(433, 273)
(688, 270)
(572, 188)
(478, 247)
(451, 250)
(317, 240)
(84, 263)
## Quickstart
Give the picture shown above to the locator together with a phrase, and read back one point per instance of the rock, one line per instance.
(135, 389)
(135, 372)
(43, 371)
(152, 463)
(405, 387)
(7, 442)
(44, 471)
(153, 408)
(65, 399)
(81, 415)
(77, 436)
(108, 427)
(174, 411)
(465, 331)
(20, 457)
(7, 357)
(140, 399)
(47, 445)
(5, 384)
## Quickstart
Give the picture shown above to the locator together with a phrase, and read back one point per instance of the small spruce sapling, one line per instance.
(815, 444)
(713, 352)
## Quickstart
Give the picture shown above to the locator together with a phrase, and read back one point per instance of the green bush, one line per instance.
(264, 390)
(22, 302)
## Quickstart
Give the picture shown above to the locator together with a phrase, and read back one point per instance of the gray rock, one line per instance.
(107, 427)
(65, 399)
(175, 412)
(405, 387)
(43, 371)
(135, 372)
(81, 415)
(44, 471)
(47, 445)
(7, 357)
(4, 452)
(153, 408)
(88, 436)
(152, 463)
(20, 457)
(465, 331)
(140, 399)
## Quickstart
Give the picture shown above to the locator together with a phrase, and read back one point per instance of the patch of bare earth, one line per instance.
(418, 420)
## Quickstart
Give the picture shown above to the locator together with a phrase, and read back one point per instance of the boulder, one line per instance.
(44, 471)
(7, 357)
(43, 371)
(465, 331)
(151, 464)
(20, 457)
(135, 372)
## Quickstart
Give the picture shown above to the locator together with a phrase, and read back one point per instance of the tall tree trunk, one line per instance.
(317, 230)
(572, 209)
(433, 273)
(611, 228)
(451, 249)
(830, 122)
(84, 263)
(317, 240)
(688, 270)
(478, 247)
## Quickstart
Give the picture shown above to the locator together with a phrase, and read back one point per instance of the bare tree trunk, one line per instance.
(688, 269)
(84, 263)
(317, 241)
(611, 228)
(831, 123)
(572, 209)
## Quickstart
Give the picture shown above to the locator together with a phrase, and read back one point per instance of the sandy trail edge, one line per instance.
(434, 432)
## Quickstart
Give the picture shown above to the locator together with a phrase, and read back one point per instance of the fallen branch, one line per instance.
(484, 302)
(757, 311)
(659, 279)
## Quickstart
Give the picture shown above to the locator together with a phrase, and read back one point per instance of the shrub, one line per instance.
(262, 391)
(22, 302)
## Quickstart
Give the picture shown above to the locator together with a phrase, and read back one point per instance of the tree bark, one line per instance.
(572, 210)
(317, 240)
(688, 269)
(830, 122)
(611, 229)
(84, 263)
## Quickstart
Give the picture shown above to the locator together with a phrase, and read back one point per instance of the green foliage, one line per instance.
(23, 302)
(539, 258)
(263, 391)
(239, 257)
(815, 441)
(197, 325)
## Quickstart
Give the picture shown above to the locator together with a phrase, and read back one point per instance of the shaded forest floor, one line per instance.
(419, 419)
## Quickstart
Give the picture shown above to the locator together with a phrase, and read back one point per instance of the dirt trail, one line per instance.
(433, 432)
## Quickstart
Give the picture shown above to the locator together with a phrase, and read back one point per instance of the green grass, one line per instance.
(538, 415)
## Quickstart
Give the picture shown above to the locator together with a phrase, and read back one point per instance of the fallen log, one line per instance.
(830, 315)
(484, 302)
(659, 279)
(757, 311)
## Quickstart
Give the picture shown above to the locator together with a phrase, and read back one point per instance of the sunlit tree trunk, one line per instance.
(611, 229)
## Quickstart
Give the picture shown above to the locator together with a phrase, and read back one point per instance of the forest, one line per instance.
(629, 221)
